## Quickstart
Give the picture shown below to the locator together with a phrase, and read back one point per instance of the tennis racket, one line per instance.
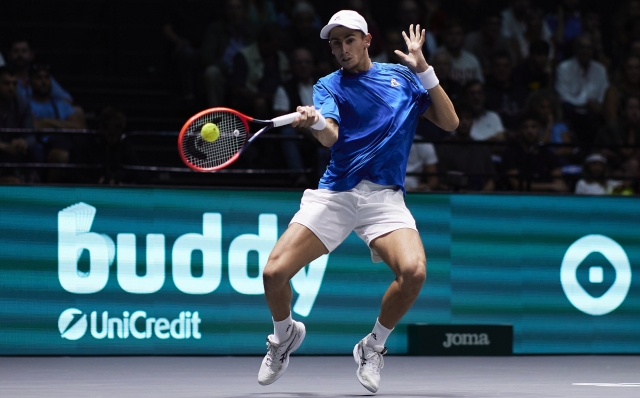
(202, 155)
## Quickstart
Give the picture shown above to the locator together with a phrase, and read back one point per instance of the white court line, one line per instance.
(608, 384)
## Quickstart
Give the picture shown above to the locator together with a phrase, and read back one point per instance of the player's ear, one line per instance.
(367, 40)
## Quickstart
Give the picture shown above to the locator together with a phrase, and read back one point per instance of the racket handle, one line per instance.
(285, 119)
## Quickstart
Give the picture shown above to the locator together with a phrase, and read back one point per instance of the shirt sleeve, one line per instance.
(325, 102)
(58, 92)
(421, 93)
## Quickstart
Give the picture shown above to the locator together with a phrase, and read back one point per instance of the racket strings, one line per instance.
(206, 155)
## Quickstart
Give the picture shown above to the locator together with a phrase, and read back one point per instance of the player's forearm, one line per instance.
(328, 135)
(441, 112)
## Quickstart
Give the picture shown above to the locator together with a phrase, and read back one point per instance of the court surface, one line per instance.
(452, 377)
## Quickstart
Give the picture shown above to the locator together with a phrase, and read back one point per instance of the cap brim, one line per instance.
(324, 33)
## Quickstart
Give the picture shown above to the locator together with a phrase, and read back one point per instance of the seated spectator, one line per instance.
(536, 29)
(544, 105)
(50, 112)
(392, 41)
(582, 83)
(109, 151)
(626, 83)
(487, 41)
(258, 70)
(302, 34)
(565, 26)
(591, 25)
(21, 58)
(514, 21)
(223, 39)
(534, 73)
(529, 166)
(15, 113)
(434, 16)
(487, 124)
(464, 65)
(409, 13)
(183, 27)
(262, 12)
(423, 160)
(471, 163)
(296, 92)
(625, 131)
(503, 96)
(595, 181)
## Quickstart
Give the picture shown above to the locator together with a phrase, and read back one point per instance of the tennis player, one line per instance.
(367, 114)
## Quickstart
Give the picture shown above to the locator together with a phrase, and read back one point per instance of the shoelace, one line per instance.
(373, 361)
(272, 352)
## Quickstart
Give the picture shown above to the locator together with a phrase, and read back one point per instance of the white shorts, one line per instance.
(369, 209)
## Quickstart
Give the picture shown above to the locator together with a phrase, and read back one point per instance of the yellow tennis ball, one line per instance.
(210, 132)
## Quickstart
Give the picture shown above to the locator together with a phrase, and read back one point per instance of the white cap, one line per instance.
(348, 19)
(596, 157)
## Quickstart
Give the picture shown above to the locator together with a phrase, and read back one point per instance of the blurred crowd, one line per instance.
(548, 99)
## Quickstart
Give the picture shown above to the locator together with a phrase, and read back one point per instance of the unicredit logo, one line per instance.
(577, 295)
(73, 325)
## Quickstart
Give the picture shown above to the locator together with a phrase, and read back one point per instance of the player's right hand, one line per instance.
(308, 117)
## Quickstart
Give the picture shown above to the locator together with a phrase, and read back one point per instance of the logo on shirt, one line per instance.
(394, 83)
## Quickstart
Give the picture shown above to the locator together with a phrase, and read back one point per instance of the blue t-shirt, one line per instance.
(377, 111)
(54, 109)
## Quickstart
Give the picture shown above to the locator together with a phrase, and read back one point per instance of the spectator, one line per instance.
(565, 26)
(21, 57)
(532, 167)
(534, 73)
(50, 112)
(434, 17)
(110, 152)
(222, 41)
(409, 13)
(261, 12)
(302, 34)
(503, 96)
(486, 41)
(14, 113)
(296, 92)
(544, 105)
(627, 12)
(423, 160)
(487, 124)
(258, 70)
(183, 28)
(582, 83)
(625, 131)
(458, 157)
(514, 22)
(392, 41)
(591, 25)
(626, 83)
(595, 181)
(470, 12)
(536, 29)
(464, 65)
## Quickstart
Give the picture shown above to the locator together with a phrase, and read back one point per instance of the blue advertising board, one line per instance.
(93, 271)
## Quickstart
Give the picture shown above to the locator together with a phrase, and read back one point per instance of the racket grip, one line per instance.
(285, 119)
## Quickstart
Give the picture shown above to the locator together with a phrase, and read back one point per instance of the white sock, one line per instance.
(282, 329)
(378, 336)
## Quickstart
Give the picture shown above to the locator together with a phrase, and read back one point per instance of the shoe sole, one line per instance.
(356, 358)
(302, 332)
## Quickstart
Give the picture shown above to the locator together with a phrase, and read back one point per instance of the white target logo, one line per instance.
(576, 294)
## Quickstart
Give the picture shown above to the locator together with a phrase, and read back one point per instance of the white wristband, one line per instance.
(428, 78)
(320, 124)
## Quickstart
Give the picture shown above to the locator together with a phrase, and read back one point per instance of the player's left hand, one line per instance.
(415, 59)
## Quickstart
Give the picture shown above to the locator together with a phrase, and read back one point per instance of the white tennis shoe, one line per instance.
(277, 359)
(369, 362)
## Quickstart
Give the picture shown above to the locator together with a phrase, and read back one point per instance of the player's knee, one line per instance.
(273, 276)
(414, 274)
